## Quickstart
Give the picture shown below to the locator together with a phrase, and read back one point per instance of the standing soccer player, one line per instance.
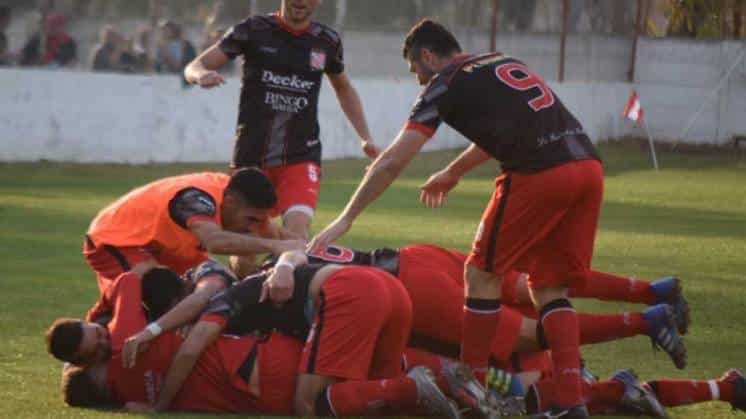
(543, 215)
(285, 54)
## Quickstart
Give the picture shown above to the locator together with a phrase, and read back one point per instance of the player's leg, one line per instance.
(297, 187)
(731, 388)
(353, 309)
(563, 259)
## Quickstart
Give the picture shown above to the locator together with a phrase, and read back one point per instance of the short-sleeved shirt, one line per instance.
(282, 72)
(190, 205)
(496, 102)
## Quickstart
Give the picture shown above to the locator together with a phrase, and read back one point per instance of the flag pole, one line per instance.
(652, 144)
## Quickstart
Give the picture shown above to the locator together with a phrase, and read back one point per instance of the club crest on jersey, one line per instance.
(318, 60)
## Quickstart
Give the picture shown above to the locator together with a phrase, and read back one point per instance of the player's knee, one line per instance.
(544, 296)
(481, 284)
(305, 404)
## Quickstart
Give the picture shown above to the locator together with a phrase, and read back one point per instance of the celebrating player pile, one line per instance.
(332, 331)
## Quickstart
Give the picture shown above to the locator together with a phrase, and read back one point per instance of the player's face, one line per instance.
(299, 11)
(95, 346)
(242, 218)
(421, 69)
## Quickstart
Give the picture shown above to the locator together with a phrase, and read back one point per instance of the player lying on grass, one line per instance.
(233, 375)
(177, 220)
(623, 394)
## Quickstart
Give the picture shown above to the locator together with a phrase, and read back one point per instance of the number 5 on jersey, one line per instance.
(519, 77)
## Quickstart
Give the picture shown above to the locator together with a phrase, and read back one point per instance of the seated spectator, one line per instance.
(112, 53)
(140, 47)
(60, 49)
(5, 57)
(174, 52)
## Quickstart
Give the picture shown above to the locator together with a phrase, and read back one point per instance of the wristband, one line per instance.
(154, 329)
(285, 263)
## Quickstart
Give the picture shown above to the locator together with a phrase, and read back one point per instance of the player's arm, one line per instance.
(200, 337)
(183, 313)
(352, 106)
(203, 69)
(387, 167)
(220, 242)
(281, 283)
(435, 190)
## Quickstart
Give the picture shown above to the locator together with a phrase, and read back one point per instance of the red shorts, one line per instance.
(297, 187)
(108, 262)
(542, 223)
(362, 324)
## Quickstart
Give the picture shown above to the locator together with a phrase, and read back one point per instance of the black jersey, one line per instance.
(496, 102)
(278, 113)
(385, 259)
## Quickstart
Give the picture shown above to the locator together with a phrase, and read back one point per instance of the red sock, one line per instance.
(560, 323)
(416, 357)
(682, 392)
(597, 328)
(372, 398)
(608, 287)
(480, 323)
(603, 397)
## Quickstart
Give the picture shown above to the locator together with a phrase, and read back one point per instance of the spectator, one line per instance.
(174, 52)
(140, 50)
(59, 50)
(112, 52)
(5, 58)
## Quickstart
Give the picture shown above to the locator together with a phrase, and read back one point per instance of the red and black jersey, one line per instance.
(496, 102)
(278, 113)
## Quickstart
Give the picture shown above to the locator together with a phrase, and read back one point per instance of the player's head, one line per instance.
(428, 48)
(162, 289)
(82, 387)
(78, 342)
(298, 12)
(248, 200)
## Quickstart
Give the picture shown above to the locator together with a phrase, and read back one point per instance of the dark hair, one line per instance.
(254, 187)
(4, 12)
(64, 337)
(79, 389)
(431, 35)
(160, 287)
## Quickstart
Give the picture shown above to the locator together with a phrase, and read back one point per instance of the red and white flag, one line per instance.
(633, 110)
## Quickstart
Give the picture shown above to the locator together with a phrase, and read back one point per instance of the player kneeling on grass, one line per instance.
(178, 221)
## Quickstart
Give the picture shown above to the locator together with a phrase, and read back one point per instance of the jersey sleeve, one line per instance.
(426, 116)
(237, 41)
(336, 64)
(190, 205)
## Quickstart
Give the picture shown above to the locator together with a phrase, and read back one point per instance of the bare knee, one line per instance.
(481, 284)
(544, 296)
(298, 223)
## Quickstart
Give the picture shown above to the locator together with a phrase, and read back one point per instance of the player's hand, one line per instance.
(137, 407)
(210, 79)
(329, 235)
(279, 286)
(370, 149)
(133, 346)
(281, 246)
(435, 191)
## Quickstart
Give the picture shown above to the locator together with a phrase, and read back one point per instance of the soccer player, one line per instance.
(177, 220)
(285, 55)
(543, 215)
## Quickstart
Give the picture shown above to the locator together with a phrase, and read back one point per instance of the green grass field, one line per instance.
(689, 220)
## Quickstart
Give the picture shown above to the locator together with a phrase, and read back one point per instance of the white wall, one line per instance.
(94, 117)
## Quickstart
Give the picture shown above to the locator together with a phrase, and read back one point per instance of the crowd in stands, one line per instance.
(163, 49)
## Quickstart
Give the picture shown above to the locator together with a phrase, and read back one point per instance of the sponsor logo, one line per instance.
(285, 103)
(288, 82)
(311, 143)
(318, 60)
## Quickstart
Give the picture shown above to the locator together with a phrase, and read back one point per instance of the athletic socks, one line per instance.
(683, 392)
(598, 328)
(480, 323)
(608, 287)
(560, 324)
(368, 398)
